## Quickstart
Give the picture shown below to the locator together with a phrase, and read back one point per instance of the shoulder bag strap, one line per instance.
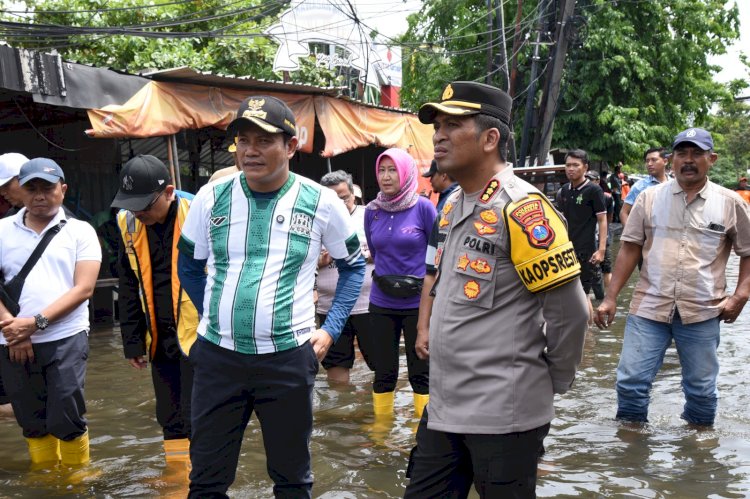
(52, 232)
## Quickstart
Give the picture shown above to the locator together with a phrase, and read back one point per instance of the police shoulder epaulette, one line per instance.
(540, 249)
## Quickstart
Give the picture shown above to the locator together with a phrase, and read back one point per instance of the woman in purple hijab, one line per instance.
(397, 225)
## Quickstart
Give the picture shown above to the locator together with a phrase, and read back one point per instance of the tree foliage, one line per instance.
(206, 35)
(636, 75)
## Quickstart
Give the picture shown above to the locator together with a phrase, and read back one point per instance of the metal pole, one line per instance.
(176, 157)
(561, 49)
(490, 42)
(531, 93)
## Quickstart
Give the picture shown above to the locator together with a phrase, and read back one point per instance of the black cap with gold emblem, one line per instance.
(465, 98)
(269, 113)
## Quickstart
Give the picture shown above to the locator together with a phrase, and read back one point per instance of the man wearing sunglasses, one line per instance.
(157, 320)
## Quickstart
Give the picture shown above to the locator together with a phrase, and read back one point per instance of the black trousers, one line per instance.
(4, 399)
(341, 354)
(227, 388)
(445, 465)
(386, 327)
(47, 394)
(173, 387)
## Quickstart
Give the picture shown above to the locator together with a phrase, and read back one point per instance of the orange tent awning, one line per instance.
(165, 108)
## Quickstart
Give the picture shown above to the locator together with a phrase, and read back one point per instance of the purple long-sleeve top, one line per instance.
(398, 243)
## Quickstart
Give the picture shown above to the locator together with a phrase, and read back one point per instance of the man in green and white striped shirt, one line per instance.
(259, 234)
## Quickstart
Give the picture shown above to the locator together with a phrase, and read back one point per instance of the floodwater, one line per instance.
(588, 453)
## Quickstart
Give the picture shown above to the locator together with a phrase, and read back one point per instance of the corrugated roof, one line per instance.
(186, 74)
(189, 75)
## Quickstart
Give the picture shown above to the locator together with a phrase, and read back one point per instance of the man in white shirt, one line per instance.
(43, 348)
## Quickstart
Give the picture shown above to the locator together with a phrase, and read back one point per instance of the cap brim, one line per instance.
(52, 179)
(428, 174)
(704, 147)
(131, 202)
(5, 180)
(428, 111)
(254, 121)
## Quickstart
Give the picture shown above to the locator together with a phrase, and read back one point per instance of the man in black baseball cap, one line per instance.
(491, 235)
(442, 183)
(153, 213)
(268, 226)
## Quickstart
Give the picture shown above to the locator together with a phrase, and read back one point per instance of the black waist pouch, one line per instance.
(10, 292)
(399, 286)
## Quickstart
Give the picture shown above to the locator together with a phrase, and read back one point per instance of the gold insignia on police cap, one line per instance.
(255, 109)
(447, 93)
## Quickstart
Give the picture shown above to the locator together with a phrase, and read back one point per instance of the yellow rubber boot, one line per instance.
(177, 450)
(420, 402)
(44, 450)
(76, 451)
(176, 475)
(382, 403)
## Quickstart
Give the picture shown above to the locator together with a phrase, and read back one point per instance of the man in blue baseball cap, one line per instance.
(51, 325)
(684, 230)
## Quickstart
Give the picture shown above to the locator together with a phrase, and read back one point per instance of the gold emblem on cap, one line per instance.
(255, 109)
(448, 92)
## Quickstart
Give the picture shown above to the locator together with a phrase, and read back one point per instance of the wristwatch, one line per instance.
(41, 322)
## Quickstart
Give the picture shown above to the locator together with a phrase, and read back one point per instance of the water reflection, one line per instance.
(588, 453)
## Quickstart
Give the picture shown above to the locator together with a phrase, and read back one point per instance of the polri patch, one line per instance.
(532, 219)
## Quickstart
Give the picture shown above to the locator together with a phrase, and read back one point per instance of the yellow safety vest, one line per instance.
(136, 245)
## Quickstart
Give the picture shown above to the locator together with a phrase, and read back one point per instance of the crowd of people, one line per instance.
(235, 295)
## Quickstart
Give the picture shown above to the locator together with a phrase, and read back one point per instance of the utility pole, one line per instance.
(531, 93)
(490, 43)
(558, 63)
(501, 64)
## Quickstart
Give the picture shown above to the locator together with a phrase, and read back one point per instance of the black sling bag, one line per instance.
(10, 292)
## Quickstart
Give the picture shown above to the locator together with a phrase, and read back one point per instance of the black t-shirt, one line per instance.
(580, 206)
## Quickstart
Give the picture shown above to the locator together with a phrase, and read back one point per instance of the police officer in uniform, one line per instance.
(502, 317)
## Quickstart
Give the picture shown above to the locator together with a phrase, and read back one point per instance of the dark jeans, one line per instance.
(341, 354)
(47, 395)
(589, 272)
(228, 386)
(173, 386)
(445, 465)
(387, 325)
(4, 399)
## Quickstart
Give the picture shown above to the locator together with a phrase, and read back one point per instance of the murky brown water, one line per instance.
(588, 453)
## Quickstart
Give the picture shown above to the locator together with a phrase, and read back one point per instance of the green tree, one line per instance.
(730, 128)
(206, 35)
(637, 73)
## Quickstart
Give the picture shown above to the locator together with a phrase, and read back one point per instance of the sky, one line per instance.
(730, 61)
